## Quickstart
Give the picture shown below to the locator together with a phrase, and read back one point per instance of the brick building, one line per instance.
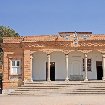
(65, 56)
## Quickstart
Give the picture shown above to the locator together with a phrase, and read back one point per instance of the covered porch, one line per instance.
(75, 65)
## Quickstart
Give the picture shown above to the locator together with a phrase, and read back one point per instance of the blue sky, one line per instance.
(37, 17)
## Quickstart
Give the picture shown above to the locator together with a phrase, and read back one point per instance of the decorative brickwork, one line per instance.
(22, 48)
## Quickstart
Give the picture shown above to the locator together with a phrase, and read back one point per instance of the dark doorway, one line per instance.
(52, 71)
(99, 73)
(0, 83)
(99, 70)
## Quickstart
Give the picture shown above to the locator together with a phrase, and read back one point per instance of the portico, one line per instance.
(68, 56)
(67, 66)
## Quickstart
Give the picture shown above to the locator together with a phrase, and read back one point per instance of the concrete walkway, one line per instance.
(53, 100)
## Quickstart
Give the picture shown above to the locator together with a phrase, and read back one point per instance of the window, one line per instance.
(88, 65)
(15, 67)
(67, 37)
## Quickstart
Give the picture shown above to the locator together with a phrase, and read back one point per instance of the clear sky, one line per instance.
(36, 17)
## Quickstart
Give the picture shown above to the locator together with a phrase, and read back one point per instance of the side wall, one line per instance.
(11, 81)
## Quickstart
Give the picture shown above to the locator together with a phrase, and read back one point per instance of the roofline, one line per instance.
(74, 32)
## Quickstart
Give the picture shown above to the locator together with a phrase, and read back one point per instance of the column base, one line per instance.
(67, 79)
(103, 78)
(48, 80)
(31, 80)
(85, 79)
(25, 81)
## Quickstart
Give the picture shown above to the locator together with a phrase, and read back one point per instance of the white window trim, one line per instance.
(11, 67)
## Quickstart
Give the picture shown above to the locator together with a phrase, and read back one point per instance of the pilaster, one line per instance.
(27, 66)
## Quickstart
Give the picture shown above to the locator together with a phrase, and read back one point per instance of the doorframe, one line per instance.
(98, 63)
(50, 69)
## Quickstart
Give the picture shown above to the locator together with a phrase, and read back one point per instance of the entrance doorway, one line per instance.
(0, 83)
(99, 70)
(52, 71)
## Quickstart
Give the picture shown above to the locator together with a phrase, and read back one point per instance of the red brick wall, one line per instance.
(27, 66)
(9, 54)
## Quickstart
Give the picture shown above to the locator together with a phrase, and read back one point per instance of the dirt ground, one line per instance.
(53, 100)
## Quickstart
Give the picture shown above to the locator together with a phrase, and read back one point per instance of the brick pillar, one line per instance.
(5, 71)
(26, 66)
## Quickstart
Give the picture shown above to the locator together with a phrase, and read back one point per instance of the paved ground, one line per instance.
(53, 100)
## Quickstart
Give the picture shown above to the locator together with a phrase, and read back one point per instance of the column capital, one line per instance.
(31, 57)
(32, 52)
(85, 51)
(103, 56)
(47, 51)
(85, 54)
(66, 55)
(66, 52)
(48, 55)
(102, 51)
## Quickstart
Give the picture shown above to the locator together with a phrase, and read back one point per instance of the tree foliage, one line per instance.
(7, 32)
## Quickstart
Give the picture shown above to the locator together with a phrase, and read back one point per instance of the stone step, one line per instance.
(94, 81)
(84, 93)
(43, 86)
(53, 93)
(33, 92)
(36, 89)
(52, 84)
(101, 87)
(89, 91)
(29, 94)
(39, 88)
(59, 91)
(60, 87)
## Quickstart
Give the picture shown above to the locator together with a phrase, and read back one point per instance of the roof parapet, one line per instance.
(74, 32)
(12, 39)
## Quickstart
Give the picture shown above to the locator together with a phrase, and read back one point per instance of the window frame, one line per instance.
(18, 67)
(89, 64)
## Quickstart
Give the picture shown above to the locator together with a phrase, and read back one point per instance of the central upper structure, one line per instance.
(65, 56)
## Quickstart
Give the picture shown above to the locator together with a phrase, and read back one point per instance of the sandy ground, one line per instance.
(53, 100)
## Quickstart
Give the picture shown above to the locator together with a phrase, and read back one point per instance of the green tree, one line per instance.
(6, 31)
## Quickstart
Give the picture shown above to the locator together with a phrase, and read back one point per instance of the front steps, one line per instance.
(60, 87)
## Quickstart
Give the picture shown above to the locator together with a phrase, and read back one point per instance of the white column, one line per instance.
(67, 78)
(48, 71)
(85, 63)
(103, 66)
(31, 67)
